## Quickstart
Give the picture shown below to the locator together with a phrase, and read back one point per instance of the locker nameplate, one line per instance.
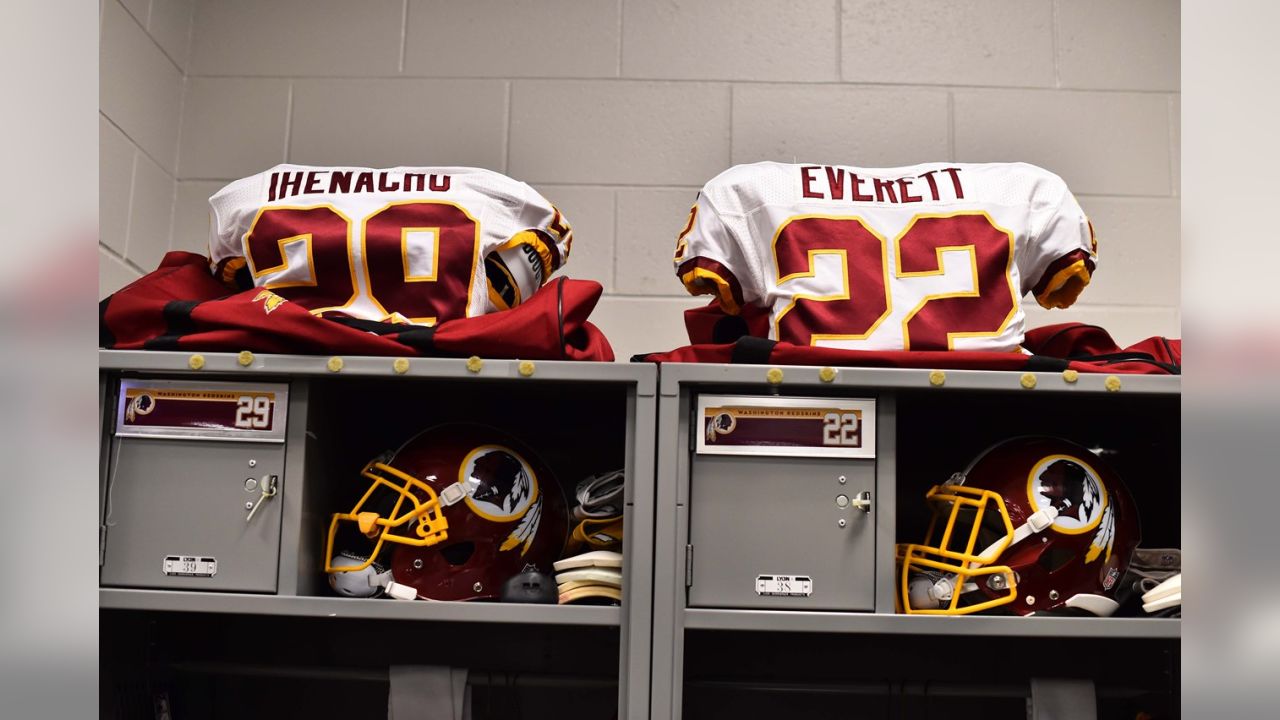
(254, 412)
(775, 426)
(190, 565)
(784, 585)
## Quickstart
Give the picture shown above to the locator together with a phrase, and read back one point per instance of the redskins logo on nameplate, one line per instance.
(253, 412)
(802, 427)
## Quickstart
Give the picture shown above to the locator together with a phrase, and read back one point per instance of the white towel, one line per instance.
(428, 692)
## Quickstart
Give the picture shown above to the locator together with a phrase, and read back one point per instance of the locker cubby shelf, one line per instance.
(872, 623)
(809, 378)
(335, 607)
(223, 364)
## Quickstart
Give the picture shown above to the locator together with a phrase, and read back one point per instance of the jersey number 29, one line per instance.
(417, 258)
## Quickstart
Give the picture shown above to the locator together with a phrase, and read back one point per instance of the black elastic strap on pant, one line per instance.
(560, 314)
(177, 318)
(1112, 358)
(728, 329)
(1069, 329)
(1042, 363)
(752, 350)
(418, 337)
(1169, 351)
(369, 326)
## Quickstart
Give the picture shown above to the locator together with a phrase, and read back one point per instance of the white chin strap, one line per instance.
(376, 582)
(1036, 522)
(397, 591)
(452, 493)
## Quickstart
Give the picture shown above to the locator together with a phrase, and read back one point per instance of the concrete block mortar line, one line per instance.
(506, 134)
(288, 124)
(133, 186)
(126, 261)
(658, 79)
(1055, 35)
(621, 39)
(613, 282)
(404, 34)
(1175, 147)
(951, 126)
(145, 31)
(732, 94)
(839, 26)
(177, 157)
(138, 146)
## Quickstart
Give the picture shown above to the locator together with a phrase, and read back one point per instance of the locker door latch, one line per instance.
(268, 485)
(862, 501)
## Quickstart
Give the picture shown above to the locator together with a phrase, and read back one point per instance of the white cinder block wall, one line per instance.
(618, 110)
(143, 62)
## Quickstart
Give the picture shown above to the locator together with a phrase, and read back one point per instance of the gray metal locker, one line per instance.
(180, 489)
(724, 518)
(771, 528)
(741, 510)
(185, 496)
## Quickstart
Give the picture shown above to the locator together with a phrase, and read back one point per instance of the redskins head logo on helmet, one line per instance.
(452, 514)
(1067, 487)
(501, 480)
(1033, 525)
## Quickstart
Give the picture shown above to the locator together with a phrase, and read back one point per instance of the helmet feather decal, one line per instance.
(1104, 538)
(527, 528)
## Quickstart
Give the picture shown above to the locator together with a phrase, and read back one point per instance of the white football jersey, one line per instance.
(416, 244)
(927, 257)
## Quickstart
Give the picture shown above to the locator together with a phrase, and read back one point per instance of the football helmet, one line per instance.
(454, 513)
(1034, 525)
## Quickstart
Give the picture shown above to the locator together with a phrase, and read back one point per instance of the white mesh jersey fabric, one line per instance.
(741, 214)
(498, 206)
